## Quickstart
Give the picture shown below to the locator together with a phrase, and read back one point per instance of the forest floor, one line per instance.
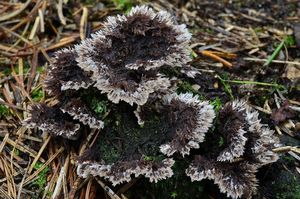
(243, 49)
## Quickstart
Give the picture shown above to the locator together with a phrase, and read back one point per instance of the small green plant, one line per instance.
(149, 158)
(287, 41)
(226, 85)
(99, 106)
(123, 4)
(173, 194)
(16, 152)
(186, 87)
(221, 141)
(217, 104)
(41, 181)
(4, 111)
(37, 94)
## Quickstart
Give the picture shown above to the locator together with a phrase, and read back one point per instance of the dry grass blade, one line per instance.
(83, 23)
(39, 154)
(22, 182)
(16, 12)
(32, 176)
(108, 190)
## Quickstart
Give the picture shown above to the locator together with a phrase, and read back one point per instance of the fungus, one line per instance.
(79, 111)
(125, 148)
(173, 123)
(233, 117)
(122, 171)
(248, 146)
(124, 63)
(64, 74)
(124, 57)
(190, 118)
(235, 179)
(52, 120)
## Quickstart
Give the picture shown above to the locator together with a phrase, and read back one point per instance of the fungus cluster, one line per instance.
(248, 146)
(143, 122)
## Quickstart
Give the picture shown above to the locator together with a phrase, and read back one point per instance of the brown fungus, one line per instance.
(79, 111)
(52, 120)
(124, 170)
(248, 146)
(190, 119)
(235, 179)
(64, 74)
(233, 117)
(125, 149)
(173, 123)
(125, 55)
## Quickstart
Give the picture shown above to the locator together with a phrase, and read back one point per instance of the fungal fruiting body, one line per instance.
(125, 56)
(190, 118)
(52, 119)
(176, 122)
(248, 147)
(143, 121)
(122, 63)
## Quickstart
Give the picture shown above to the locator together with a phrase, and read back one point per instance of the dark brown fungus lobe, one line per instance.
(232, 116)
(52, 120)
(64, 74)
(125, 55)
(125, 149)
(79, 110)
(235, 179)
(190, 120)
(260, 140)
(248, 146)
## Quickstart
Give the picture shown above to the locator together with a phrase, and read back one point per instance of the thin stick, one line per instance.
(216, 57)
(15, 13)
(34, 28)
(44, 166)
(60, 13)
(39, 154)
(83, 22)
(274, 61)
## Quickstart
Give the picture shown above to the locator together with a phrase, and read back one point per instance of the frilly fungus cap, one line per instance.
(235, 179)
(190, 118)
(123, 171)
(64, 74)
(125, 55)
(52, 120)
(125, 148)
(248, 146)
(175, 123)
(233, 130)
(79, 111)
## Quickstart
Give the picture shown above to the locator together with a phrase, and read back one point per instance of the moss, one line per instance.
(171, 71)
(186, 87)
(287, 187)
(37, 94)
(288, 159)
(4, 111)
(280, 180)
(124, 139)
(97, 102)
(99, 106)
(41, 181)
